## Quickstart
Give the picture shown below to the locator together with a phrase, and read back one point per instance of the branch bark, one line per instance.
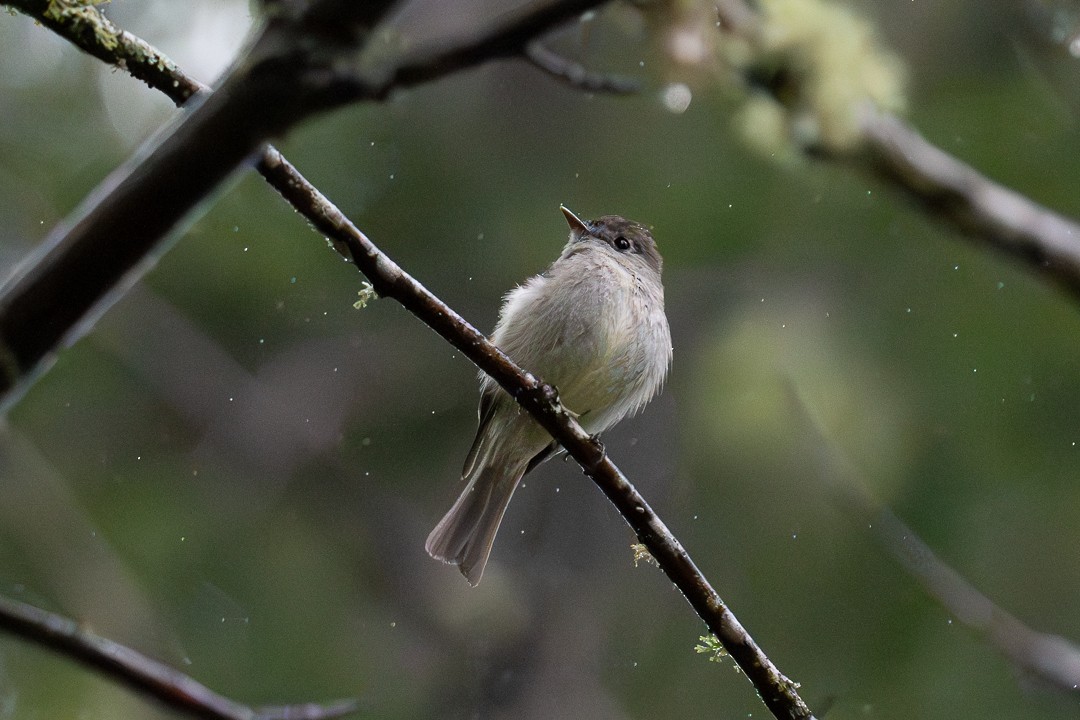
(146, 675)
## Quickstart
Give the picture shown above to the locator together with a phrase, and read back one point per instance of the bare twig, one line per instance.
(1051, 657)
(166, 684)
(576, 74)
(506, 36)
(779, 693)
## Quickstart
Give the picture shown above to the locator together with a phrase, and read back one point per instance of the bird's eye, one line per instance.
(622, 244)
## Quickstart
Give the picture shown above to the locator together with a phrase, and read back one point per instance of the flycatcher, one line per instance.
(592, 325)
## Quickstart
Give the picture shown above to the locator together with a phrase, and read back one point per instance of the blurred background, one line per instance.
(235, 471)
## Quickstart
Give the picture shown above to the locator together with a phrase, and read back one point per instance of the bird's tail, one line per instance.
(465, 534)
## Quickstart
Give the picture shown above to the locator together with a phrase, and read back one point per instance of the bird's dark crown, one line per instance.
(610, 228)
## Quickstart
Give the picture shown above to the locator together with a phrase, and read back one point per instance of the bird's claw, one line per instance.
(596, 443)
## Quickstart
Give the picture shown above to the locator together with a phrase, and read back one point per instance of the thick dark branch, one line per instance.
(70, 277)
(167, 685)
(289, 75)
(991, 213)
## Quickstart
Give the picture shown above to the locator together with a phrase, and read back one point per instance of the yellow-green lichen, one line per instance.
(711, 646)
(813, 63)
(642, 555)
(367, 294)
(83, 15)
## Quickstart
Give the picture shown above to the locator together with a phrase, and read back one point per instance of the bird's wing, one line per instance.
(485, 412)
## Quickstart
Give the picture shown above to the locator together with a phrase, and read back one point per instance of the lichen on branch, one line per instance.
(801, 69)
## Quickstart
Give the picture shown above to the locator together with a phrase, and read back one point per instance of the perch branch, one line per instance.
(146, 675)
(389, 280)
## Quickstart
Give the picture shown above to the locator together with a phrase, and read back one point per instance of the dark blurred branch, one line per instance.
(1052, 658)
(993, 214)
(507, 36)
(778, 693)
(987, 212)
(167, 685)
(308, 58)
(575, 74)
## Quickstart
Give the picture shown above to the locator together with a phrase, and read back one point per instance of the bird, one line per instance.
(593, 325)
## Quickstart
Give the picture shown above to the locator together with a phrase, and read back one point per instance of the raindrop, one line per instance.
(676, 97)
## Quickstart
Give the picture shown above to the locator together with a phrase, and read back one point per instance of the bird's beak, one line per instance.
(576, 224)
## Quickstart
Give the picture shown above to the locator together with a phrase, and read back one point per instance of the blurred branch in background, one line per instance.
(49, 527)
(819, 83)
(575, 74)
(322, 55)
(51, 298)
(778, 693)
(1041, 239)
(1052, 658)
(121, 663)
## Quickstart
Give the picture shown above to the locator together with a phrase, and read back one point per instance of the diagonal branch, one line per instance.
(507, 36)
(93, 33)
(300, 64)
(779, 693)
(986, 211)
(168, 685)
(989, 213)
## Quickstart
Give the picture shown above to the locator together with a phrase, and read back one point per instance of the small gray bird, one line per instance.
(592, 325)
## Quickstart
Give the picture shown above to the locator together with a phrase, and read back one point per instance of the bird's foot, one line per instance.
(599, 445)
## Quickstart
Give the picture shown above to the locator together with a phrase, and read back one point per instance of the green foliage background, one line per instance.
(235, 470)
